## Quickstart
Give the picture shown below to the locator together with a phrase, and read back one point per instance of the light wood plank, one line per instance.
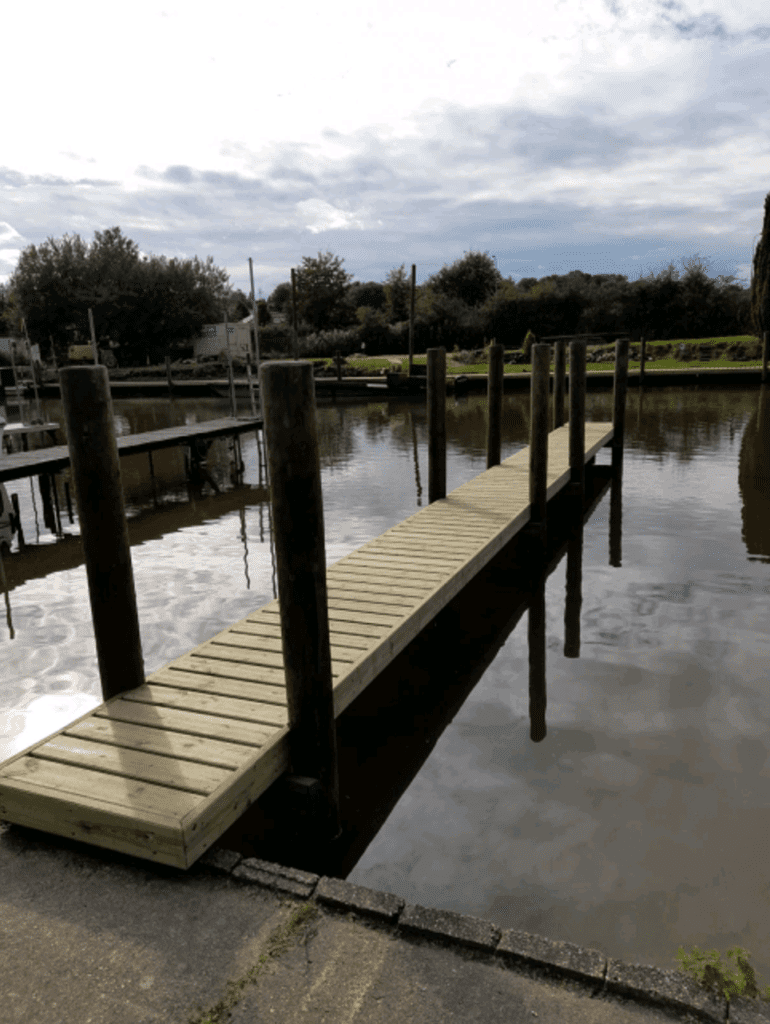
(271, 634)
(196, 661)
(206, 751)
(208, 703)
(172, 773)
(174, 720)
(225, 687)
(403, 563)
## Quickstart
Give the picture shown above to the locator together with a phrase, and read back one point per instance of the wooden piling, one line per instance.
(642, 360)
(297, 511)
(44, 486)
(294, 336)
(577, 416)
(765, 354)
(436, 397)
(338, 363)
(495, 404)
(250, 379)
(94, 345)
(68, 501)
(538, 442)
(169, 381)
(559, 374)
(255, 316)
(412, 290)
(95, 468)
(619, 400)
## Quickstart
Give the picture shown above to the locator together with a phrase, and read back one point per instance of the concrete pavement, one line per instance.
(95, 937)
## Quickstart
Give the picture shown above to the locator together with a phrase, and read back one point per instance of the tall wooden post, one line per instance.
(436, 424)
(294, 336)
(495, 404)
(338, 363)
(642, 359)
(619, 401)
(169, 381)
(255, 316)
(411, 317)
(559, 374)
(538, 442)
(93, 336)
(95, 469)
(17, 519)
(250, 379)
(297, 506)
(577, 416)
(765, 354)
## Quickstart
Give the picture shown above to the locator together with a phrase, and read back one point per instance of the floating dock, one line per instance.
(160, 772)
(54, 459)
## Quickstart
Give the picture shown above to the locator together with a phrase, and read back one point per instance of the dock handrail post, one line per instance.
(642, 359)
(765, 354)
(559, 374)
(577, 416)
(95, 469)
(619, 401)
(495, 403)
(538, 441)
(289, 412)
(436, 395)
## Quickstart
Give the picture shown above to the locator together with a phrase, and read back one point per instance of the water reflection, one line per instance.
(754, 479)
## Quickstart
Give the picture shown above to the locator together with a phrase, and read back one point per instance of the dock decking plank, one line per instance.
(163, 770)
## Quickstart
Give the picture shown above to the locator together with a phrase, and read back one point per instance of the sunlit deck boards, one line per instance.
(161, 771)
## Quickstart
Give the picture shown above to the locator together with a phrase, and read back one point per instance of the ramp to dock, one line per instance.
(162, 771)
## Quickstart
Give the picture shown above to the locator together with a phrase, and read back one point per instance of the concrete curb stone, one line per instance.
(645, 983)
(565, 956)
(445, 924)
(346, 896)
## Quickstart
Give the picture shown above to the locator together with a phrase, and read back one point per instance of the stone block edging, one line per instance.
(648, 984)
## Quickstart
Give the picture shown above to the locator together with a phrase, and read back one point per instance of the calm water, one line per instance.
(639, 822)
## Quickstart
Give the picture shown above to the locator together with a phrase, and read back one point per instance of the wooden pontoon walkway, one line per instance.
(53, 460)
(161, 771)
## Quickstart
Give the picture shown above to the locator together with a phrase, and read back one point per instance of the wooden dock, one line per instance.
(162, 771)
(54, 459)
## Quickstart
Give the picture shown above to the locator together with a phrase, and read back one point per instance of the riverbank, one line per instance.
(93, 936)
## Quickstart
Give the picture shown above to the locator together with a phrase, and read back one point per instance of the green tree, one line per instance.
(280, 297)
(760, 279)
(471, 279)
(397, 290)
(321, 288)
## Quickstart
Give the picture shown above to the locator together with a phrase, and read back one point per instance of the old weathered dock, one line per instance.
(160, 771)
(53, 459)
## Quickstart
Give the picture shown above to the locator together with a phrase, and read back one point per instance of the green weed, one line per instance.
(707, 968)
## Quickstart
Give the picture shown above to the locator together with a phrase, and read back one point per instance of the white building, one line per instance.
(212, 340)
(21, 348)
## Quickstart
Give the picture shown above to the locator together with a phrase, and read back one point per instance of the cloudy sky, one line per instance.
(600, 135)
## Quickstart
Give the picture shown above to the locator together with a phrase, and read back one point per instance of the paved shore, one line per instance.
(94, 937)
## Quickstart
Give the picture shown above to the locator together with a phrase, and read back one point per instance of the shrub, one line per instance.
(707, 968)
(529, 341)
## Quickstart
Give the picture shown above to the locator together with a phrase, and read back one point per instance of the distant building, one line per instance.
(212, 340)
(22, 350)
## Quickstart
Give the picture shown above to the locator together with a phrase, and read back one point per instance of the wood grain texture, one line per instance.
(161, 771)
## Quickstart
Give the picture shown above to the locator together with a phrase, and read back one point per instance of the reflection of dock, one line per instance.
(53, 460)
(162, 770)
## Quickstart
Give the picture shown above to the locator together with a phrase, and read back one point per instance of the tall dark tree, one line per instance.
(760, 280)
(397, 290)
(471, 279)
(321, 288)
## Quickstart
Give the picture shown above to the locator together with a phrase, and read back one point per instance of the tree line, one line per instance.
(151, 306)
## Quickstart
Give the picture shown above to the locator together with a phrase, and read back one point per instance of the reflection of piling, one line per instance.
(538, 440)
(642, 359)
(574, 597)
(616, 519)
(619, 401)
(559, 374)
(288, 408)
(17, 520)
(577, 416)
(95, 467)
(436, 397)
(537, 646)
(495, 404)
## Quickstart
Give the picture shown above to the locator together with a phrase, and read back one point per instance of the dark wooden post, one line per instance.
(294, 337)
(297, 506)
(616, 520)
(577, 416)
(44, 484)
(68, 499)
(765, 354)
(559, 374)
(338, 363)
(495, 404)
(411, 317)
(619, 400)
(642, 359)
(250, 379)
(95, 467)
(574, 598)
(436, 392)
(538, 441)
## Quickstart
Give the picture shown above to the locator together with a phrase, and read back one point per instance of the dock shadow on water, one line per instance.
(387, 734)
